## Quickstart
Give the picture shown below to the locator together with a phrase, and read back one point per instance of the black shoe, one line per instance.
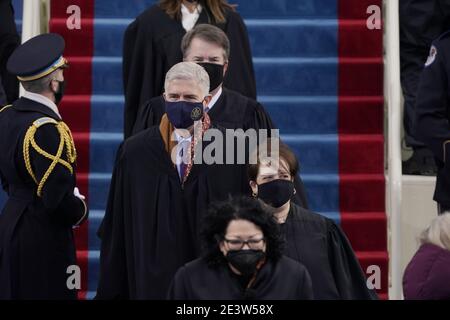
(421, 163)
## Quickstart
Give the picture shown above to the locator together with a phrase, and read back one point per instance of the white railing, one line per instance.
(392, 92)
(34, 11)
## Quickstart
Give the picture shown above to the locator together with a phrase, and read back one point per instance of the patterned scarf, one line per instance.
(167, 129)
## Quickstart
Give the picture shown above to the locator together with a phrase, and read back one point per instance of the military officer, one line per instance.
(433, 114)
(37, 170)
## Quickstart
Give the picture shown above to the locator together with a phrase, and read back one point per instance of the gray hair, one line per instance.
(438, 233)
(188, 71)
(39, 85)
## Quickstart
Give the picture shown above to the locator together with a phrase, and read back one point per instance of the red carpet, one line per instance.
(361, 143)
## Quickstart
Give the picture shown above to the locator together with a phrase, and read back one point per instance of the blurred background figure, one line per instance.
(152, 45)
(243, 259)
(427, 276)
(9, 40)
(421, 22)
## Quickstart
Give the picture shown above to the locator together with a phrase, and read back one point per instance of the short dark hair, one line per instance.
(219, 216)
(208, 33)
(284, 153)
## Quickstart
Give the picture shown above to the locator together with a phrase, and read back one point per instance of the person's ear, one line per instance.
(54, 85)
(225, 68)
(254, 187)
(222, 248)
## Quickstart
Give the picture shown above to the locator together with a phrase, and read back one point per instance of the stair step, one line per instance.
(366, 259)
(268, 37)
(363, 229)
(322, 191)
(274, 37)
(253, 9)
(274, 76)
(316, 153)
(293, 114)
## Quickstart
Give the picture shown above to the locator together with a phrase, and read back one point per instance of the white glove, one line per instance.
(77, 194)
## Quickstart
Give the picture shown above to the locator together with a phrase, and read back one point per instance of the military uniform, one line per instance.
(420, 23)
(37, 169)
(433, 113)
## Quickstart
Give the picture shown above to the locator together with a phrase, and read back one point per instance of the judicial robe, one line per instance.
(152, 222)
(36, 237)
(152, 46)
(285, 279)
(231, 111)
(319, 244)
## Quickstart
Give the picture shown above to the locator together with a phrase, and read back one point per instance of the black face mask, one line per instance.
(276, 192)
(215, 73)
(60, 92)
(245, 261)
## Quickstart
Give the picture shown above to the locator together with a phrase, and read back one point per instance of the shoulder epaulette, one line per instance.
(45, 120)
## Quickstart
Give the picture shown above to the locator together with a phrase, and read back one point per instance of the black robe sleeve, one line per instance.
(150, 114)
(177, 289)
(349, 277)
(240, 75)
(57, 193)
(113, 283)
(133, 60)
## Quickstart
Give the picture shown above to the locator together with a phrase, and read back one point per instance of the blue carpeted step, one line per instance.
(322, 191)
(302, 114)
(316, 153)
(283, 38)
(247, 8)
(96, 217)
(274, 76)
(292, 114)
(107, 113)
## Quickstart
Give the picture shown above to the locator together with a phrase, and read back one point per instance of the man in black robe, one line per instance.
(209, 46)
(37, 171)
(156, 201)
(152, 45)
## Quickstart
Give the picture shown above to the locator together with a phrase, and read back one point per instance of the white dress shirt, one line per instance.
(43, 100)
(183, 144)
(188, 19)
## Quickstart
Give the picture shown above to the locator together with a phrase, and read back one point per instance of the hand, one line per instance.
(77, 194)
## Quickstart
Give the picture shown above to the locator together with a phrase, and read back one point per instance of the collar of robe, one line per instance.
(166, 129)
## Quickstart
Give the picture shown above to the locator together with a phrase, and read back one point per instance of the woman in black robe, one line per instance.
(152, 45)
(243, 259)
(312, 239)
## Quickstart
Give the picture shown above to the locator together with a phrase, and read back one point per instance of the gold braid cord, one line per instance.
(66, 140)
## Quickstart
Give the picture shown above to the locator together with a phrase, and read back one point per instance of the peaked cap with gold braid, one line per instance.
(66, 140)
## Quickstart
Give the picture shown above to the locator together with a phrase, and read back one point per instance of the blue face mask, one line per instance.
(183, 114)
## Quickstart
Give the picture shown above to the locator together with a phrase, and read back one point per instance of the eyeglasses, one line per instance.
(238, 244)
